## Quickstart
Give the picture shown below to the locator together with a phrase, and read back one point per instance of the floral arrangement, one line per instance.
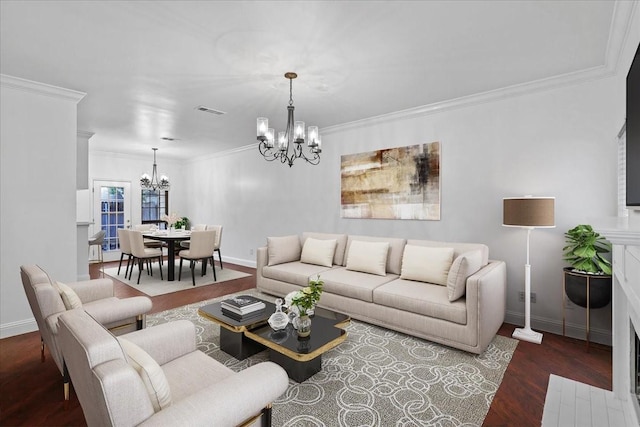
(175, 220)
(307, 298)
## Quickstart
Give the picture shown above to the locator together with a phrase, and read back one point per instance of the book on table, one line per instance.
(242, 305)
(242, 317)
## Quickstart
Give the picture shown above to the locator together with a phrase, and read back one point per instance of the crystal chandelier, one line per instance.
(292, 137)
(151, 182)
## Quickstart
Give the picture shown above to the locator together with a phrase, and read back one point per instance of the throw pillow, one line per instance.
(151, 373)
(69, 297)
(368, 257)
(426, 264)
(318, 252)
(283, 249)
(463, 266)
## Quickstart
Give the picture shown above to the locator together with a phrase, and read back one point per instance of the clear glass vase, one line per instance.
(304, 326)
(278, 320)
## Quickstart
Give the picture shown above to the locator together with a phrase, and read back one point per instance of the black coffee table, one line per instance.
(300, 357)
(232, 338)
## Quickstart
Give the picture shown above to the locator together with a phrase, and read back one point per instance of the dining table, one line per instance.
(171, 238)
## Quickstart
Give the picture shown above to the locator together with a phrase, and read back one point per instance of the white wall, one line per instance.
(557, 142)
(38, 182)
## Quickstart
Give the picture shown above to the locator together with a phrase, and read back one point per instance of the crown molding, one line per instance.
(620, 28)
(85, 134)
(41, 88)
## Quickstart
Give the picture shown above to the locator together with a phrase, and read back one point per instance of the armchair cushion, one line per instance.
(93, 290)
(151, 373)
(69, 297)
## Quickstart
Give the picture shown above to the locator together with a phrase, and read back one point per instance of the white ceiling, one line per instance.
(145, 66)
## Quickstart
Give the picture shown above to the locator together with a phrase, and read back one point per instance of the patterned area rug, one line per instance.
(377, 377)
(153, 286)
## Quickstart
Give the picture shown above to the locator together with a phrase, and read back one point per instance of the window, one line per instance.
(111, 215)
(155, 203)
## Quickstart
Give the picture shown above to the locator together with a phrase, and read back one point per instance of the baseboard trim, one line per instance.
(240, 261)
(573, 330)
(18, 328)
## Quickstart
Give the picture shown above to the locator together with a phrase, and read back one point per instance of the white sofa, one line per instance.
(449, 293)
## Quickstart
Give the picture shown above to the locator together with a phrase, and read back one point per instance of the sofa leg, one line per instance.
(266, 416)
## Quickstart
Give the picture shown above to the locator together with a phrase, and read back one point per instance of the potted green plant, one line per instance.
(584, 250)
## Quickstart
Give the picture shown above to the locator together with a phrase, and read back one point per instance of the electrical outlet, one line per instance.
(532, 298)
(250, 251)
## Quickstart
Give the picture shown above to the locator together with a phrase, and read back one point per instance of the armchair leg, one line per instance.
(41, 350)
(266, 416)
(66, 379)
(139, 321)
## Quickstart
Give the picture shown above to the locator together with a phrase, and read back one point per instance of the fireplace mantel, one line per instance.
(624, 235)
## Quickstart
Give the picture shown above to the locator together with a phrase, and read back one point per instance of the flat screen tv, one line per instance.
(633, 134)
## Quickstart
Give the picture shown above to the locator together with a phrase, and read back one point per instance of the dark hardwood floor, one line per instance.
(31, 391)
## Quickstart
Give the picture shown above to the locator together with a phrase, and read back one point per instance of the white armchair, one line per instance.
(157, 377)
(95, 296)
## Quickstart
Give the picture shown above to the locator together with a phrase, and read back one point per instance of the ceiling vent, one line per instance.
(210, 110)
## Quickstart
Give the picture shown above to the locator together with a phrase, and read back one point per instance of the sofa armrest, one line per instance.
(91, 290)
(487, 300)
(262, 258)
(167, 341)
(228, 402)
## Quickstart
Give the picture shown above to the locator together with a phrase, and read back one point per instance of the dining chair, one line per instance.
(201, 249)
(125, 249)
(218, 229)
(147, 228)
(142, 254)
(198, 227)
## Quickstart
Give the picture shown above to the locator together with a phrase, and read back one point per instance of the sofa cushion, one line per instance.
(463, 266)
(318, 252)
(69, 297)
(458, 248)
(297, 272)
(341, 243)
(396, 249)
(151, 373)
(426, 264)
(283, 249)
(421, 298)
(368, 257)
(353, 284)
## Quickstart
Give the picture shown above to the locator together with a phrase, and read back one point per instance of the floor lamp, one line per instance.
(528, 212)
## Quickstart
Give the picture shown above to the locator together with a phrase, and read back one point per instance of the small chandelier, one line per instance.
(292, 137)
(151, 182)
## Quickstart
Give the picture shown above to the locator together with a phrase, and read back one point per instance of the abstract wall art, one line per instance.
(394, 183)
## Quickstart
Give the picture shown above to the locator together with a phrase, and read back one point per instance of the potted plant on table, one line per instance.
(306, 300)
(584, 251)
